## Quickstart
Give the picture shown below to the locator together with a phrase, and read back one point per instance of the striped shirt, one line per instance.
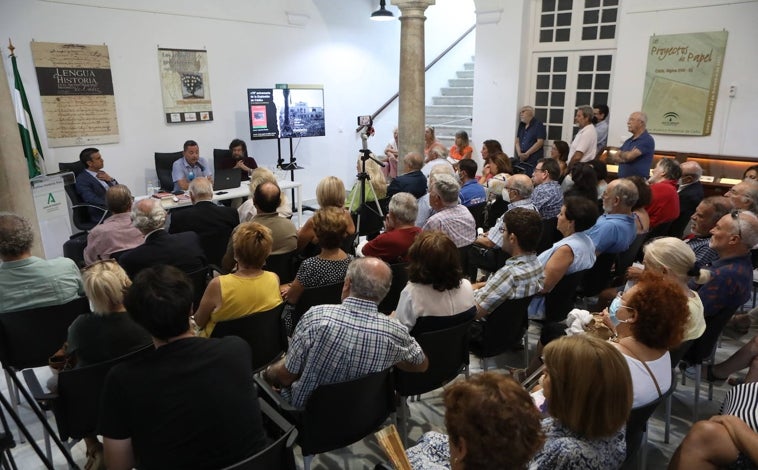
(522, 276)
(742, 401)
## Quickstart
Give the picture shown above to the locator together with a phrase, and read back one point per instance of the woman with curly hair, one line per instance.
(649, 319)
(492, 424)
(436, 286)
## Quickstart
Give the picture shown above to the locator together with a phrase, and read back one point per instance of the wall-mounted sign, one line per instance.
(185, 85)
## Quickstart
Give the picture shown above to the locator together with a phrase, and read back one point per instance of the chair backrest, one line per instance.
(163, 164)
(659, 230)
(598, 277)
(80, 214)
(219, 156)
(118, 254)
(560, 300)
(29, 337)
(703, 346)
(636, 424)
(263, 332)
(477, 211)
(427, 324)
(199, 280)
(372, 222)
(677, 354)
(447, 351)
(503, 328)
(548, 235)
(329, 294)
(399, 280)
(626, 258)
(76, 407)
(284, 265)
(74, 167)
(339, 414)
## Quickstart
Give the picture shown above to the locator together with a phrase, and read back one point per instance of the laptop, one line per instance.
(227, 179)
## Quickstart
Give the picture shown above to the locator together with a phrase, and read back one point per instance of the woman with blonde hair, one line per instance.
(588, 390)
(376, 181)
(259, 176)
(330, 192)
(248, 290)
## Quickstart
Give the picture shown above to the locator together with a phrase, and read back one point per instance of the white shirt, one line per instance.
(422, 300)
(586, 142)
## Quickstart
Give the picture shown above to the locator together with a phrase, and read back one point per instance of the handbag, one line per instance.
(486, 259)
(61, 360)
(597, 328)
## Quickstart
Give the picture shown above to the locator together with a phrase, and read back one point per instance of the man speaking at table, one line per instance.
(190, 166)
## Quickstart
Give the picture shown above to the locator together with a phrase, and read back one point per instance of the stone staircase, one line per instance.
(451, 112)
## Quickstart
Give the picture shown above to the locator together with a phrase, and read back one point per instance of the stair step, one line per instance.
(454, 100)
(468, 66)
(465, 74)
(457, 91)
(452, 128)
(459, 110)
(464, 82)
(447, 120)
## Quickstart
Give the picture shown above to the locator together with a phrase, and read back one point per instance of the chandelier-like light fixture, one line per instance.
(382, 14)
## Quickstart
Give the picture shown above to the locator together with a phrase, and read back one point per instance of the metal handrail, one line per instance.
(426, 69)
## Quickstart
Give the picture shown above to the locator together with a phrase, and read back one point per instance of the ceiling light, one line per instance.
(382, 14)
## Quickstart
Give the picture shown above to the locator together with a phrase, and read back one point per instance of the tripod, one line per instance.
(363, 177)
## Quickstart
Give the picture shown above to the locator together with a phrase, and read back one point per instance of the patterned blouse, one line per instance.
(317, 272)
(565, 450)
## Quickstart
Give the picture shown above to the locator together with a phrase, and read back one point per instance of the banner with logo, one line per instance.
(185, 83)
(52, 212)
(682, 82)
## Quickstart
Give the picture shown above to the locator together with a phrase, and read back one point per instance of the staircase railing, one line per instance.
(426, 69)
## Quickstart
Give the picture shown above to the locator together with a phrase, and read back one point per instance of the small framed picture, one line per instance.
(189, 117)
(205, 116)
(176, 117)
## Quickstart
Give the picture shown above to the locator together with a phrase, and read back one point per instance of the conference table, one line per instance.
(243, 191)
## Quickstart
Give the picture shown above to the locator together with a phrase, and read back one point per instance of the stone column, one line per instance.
(411, 108)
(15, 190)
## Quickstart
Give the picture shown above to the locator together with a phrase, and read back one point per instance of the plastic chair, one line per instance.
(501, 331)
(676, 356)
(626, 258)
(337, 415)
(477, 211)
(199, 280)
(329, 294)
(560, 300)
(636, 429)
(263, 332)
(598, 277)
(549, 234)
(284, 265)
(163, 165)
(399, 280)
(372, 221)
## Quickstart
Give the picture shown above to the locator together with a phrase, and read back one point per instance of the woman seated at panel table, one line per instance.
(330, 192)
(248, 290)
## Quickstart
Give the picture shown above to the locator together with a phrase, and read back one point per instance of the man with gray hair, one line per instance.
(212, 223)
(451, 218)
(615, 230)
(116, 233)
(635, 157)
(707, 213)
(518, 190)
(338, 343)
(27, 281)
(424, 209)
(690, 194)
(437, 157)
(400, 231)
(584, 146)
(744, 195)
(181, 250)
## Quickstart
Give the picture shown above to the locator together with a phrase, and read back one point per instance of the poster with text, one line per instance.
(185, 85)
(682, 82)
(76, 91)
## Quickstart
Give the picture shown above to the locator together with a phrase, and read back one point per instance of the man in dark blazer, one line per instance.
(212, 223)
(690, 195)
(93, 182)
(413, 180)
(181, 250)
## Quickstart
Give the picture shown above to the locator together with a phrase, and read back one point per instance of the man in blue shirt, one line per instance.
(636, 154)
(190, 166)
(615, 230)
(530, 138)
(472, 193)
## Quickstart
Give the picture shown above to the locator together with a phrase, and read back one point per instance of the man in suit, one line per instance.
(690, 195)
(212, 223)
(93, 182)
(412, 181)
(181, 250)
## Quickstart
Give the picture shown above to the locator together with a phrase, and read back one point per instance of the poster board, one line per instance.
(185, 85)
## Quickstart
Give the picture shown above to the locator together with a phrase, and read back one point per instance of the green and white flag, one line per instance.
(29, 138)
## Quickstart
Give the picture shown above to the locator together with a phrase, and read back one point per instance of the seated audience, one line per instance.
(495, 160)
(588, 391)
(751, 173)
(330, 192)
(424, 209)
(181, 250)
(27, 281)
(376, 186)
(650, 319)
(547, 196)
(724, 441)
(116, 233)
(390, 157)
(484, 412)
(259, 176)
(450, 217)
(690, 194)
(412, 180)
(745, 358)
(191, 403)
(559, 152)
(249, 289)
(585, 181)
(472, 193)
(436, 157)
(601, 170)
(338, 343)
(707, 213)
(431, 143)
(92, 183)
(106, 333)
(615, 229)
(641, 217)
(436, 286)
(664, 203)
(744, 195)
(461, 150)
(400, 231)
(189, 167)
(517, 192)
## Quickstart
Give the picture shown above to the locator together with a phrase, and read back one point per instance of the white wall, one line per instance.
(250, 44)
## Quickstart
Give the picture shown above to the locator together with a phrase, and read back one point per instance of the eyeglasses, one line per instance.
(540, 169)
(736, 217)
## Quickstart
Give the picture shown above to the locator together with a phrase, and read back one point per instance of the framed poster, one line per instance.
(76, 91)
(185, 85)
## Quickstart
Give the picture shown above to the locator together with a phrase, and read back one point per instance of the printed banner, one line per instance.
(682, 82)
(185, 85)
(76, 91)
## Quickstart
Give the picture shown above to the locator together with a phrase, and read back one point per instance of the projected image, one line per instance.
(300, 112)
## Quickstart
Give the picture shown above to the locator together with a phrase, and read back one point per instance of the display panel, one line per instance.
(286, 111)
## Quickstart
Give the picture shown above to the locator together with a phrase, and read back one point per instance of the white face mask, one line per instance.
(506, 195)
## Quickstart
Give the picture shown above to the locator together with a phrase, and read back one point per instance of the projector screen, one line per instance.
(286, 111)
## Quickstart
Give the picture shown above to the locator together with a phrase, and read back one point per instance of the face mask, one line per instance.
(506, 195)
(613, 310)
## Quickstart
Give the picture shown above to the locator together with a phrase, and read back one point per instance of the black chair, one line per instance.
(337, 415)
(493, 211)
(560, 300)
(80, 210)
(399, 280)
(371, 220)
(118, 254)
(263, 331)
(221, 156)
(477, 211)
(598, 277)
(283, 265)
(463, 253)
(163, 164)
(636, 429)
(549, 234)
(677, 354)
(329, 294)
(199, 280)
(27, 339)
(278, 455)
(501, 331)
(626, 258)
(660, 230)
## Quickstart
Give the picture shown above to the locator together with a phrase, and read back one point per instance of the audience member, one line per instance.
(644, 195)
(437, 157)
(116, 233)
(259, 176)
(431, 143)
(338, 343)
(424, 208)
(375, 188)
(615, 229)
(588, 391)
(559, 152)
(547, 196)
(391, 155)
(212, 223)
(330, 192)
(190, 166)
(584, 146)
(27, 281)
(399, 231)
(530, 138)
(518, 193)
(181, 250)
(450, 217)
(601, 115)
(461, 150)
(472, 193)
(238, 158)
(585, 182)
(484, 412)
(189, 404)
(412, 180)
(707, 213)
(745, 358)
(249, 289)
(751, 173)
(635, 156)
(690, 194)
(724, 441)
(436, 286)
(490, 150)
(744, 195)
(93, 182)
(664, 204)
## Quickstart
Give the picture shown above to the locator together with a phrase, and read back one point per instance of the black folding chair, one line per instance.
(399, 280)
(284, 265)
(329, 294)
(500, 331)
(263, 331)
(560, 300)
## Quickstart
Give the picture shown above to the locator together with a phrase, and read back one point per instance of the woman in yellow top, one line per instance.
(248, 290)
